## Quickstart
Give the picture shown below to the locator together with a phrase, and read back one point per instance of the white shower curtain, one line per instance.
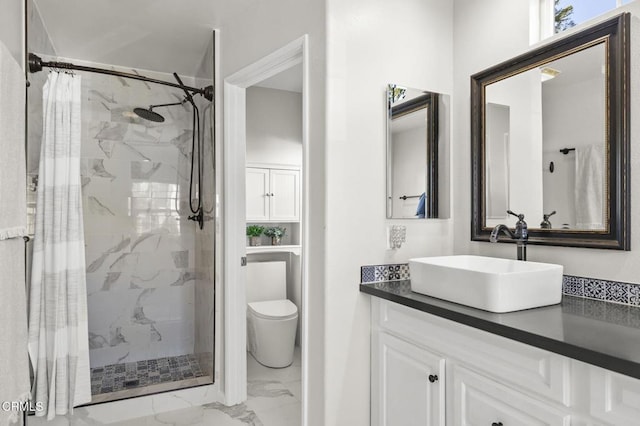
(58, 329)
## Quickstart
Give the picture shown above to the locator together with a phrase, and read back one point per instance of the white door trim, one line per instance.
(235, 372)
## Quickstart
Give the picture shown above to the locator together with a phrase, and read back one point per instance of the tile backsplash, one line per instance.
(590, 288)
(389, 272)
(608, 291)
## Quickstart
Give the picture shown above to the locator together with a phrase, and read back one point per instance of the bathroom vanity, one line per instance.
(435, 362)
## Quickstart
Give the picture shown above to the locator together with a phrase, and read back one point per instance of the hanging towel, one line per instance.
(14, 359)
(13, 203)
(58, 328)
(589, 187)
(14, 364)
(420, 212)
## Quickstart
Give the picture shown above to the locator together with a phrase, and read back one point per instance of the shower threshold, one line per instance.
(131, 379)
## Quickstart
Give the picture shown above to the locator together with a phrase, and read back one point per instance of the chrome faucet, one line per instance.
(520, 235)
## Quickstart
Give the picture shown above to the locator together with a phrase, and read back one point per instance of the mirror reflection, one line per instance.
(417, 153)
(546, 144)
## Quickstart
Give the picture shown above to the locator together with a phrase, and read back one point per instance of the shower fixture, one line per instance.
(36, 64)
(150, 115)
(196, 142)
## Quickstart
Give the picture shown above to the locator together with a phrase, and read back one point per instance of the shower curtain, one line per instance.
(58, 329)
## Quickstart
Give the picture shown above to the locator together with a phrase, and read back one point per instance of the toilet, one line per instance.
(272, 320)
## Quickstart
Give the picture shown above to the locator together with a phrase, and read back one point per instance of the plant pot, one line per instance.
(275, 241)
(254, 241)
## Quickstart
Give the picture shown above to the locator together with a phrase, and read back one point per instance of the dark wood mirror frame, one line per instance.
(616, 32)
(429, 103)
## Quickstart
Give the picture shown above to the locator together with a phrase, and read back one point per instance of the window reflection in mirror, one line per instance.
(546, 144)
(417, 153)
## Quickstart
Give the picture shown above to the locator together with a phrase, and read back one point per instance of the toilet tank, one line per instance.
(266, 281)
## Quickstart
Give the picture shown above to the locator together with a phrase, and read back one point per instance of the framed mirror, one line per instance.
(550, 140)
(417, 153)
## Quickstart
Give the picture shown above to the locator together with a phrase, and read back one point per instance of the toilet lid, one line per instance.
(274, 309)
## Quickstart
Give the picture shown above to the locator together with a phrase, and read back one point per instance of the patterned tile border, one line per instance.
(608, 291)
(590, 288)
(389, 272)
(116, 377)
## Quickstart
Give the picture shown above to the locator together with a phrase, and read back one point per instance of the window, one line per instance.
(569, 13)
(555, 16)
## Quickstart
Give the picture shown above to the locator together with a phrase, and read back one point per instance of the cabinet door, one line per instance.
(480, 401)
(284, 195)
(257, 194)
(408, 384)
(615, 398)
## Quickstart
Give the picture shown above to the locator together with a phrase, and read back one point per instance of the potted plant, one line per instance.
(254, 232)
(276, 233)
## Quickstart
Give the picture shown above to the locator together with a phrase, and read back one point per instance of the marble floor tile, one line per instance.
(271, 402)
(285, 415)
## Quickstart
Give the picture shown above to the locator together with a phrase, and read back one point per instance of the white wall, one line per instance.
(274, 126)
(522, 93)
(248, 33)
(571, 119)
(409, 153)
(481, 41)
(12, 28)
(497, 130)
(370, 43)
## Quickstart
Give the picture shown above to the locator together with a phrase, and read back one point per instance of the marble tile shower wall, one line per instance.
(140, 248)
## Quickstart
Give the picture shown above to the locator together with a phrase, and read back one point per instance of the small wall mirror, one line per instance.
(417, 153)
(550, 140)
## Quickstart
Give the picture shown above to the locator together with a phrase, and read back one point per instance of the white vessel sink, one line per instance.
(489, 283)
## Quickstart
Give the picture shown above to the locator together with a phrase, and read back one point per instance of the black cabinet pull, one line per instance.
(496, 424)
(433, 378)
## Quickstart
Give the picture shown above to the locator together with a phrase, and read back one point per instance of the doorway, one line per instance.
(238, 89)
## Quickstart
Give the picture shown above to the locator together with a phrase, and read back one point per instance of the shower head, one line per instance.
(148, 114)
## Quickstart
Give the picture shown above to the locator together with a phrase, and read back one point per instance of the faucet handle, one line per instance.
(547, 216)
(519, 216)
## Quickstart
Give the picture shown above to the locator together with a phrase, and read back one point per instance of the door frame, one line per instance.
(234, 149)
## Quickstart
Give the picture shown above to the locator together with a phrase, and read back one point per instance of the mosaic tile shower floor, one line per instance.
(131, 375)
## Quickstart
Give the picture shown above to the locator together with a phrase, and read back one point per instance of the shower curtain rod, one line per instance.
(36, 64)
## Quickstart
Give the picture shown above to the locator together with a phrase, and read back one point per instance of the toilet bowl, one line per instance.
(272, 320)
(271, 331)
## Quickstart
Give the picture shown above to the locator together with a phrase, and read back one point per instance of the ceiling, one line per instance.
(585, 65)
(159, 35)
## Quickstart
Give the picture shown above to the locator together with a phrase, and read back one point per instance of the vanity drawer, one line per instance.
(478, 400)
(530, 368)
(615, 398)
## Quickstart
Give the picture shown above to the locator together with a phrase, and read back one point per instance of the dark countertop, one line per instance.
(603, 334)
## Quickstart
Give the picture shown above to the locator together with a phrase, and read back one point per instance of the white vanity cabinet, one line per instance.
(273, 195)
(411, 381)
(484, 379)
(478, 400)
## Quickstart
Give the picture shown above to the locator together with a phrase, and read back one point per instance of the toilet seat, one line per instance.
(273, 309)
